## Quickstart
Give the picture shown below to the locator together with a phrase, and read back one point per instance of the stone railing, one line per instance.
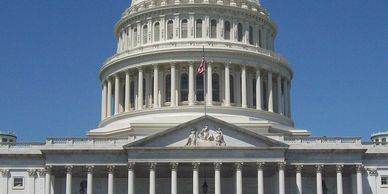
(89, 141)
(21, 145)
(323, 140)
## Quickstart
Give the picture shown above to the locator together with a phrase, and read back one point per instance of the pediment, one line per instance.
(206, 131)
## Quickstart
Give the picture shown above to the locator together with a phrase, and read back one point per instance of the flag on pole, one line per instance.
(201, 67)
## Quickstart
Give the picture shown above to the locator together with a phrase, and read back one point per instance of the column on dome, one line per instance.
(69, 172)
(217, 178)
(139, 32)
(264, 37)
(227, 84)
(124, 39)
(119, 43)
(270, 92)
(90, 170)
(173, 86)
(148, 93)
(47, 184)
(131, 178)
(260, 178)
(289, 98)
(117, 93)
(239, 186)
(285, 86)
(127, 95)
(279, 93)
(111, 170)
(237, 87)
(299, 187)
(136, 103)
(121, 95)
(359, 169)
(220, 28)
(209, 93)
(103, 100)
(176, 25)
(140, 89)
(31, 181)
(319, 169)
(195, 178)
(234, 31)
(255, 34)
(174, 178)
(282, 187)
(109, 103)
(246, 32)
(162, 27)
(243, 86)
(191, 84)
(339, 169)
(156, 86)
(258, 89)
(150, 30)
(206, 33)
(161, 94)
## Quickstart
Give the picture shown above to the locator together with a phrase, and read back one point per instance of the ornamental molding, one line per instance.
(32, 172)
(372, 172)
(319, 168)
(205, 137)
(4, 172)
(260, 165)
(281, 165)
(152, 165)
(90, 169)
(196, 165)
(239, 165)
(111, 169)
(131, 165)
(174, 165)
(217, 165)
(69, 169)
(299, 168)
(359, 167)
(339, 168)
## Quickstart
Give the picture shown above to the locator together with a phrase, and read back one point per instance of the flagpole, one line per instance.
(204, 79)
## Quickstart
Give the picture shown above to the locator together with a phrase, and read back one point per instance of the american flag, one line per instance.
(201, 67)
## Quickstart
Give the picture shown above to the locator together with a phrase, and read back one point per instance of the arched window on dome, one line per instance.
(198, 28)
(216, 87)
(213, 29)
(227, 30)
(145, 34)
(184, 87)
(199, 84)
(167, 93)
(184, 29)
(132, 93)
(156, 32)
(239, 32)
(134, 37)
(170, 30)
(231, 84)
(250, 35)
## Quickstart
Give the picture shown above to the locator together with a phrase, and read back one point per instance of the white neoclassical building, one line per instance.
(154, 136)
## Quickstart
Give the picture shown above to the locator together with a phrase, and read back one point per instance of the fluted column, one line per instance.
(47, 180)
(111, 170)
(191, 84)
(299, 169)
(279, 93)
(258, 89)
(174, 178)
(243, 87)
(103, 100)
(339, 179)
(239, 166)
(319, 169)
(4, 183)
(69, 170)
(209, 95)
(152, 178)
(156, 86)
(195, 178)
(109, 103)
(359, 169)
(260, 178)
(217, 178)
(282, 185)
(31, 181)
(285, 86)
(227, 84)
(173, 87)
(117, 94)
(90, 180)
(127, 92)
(140, 89)
(270, 92)
(131, 178)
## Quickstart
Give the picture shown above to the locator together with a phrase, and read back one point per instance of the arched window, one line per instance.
(184, 29)
(156, 32)
(239, 32)
(135, 37)
(254, 91)
(168, 88)
(132, 95)
(227, 30)
(260, 39)
(199, 84)
(170, 30)
(184, 87)
(198, 28)
(250, 35)
(145, 34)
(216, 87)
(213, 29)
(231, 84)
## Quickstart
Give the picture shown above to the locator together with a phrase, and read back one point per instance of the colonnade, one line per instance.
(281, 166)
(173, 85)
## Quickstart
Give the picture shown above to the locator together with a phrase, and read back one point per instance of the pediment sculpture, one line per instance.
(205, 138)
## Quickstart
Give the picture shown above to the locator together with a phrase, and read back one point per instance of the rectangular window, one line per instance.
(4, 140)
(384, 181)
(18, 183)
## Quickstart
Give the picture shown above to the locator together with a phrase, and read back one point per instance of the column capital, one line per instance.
(228, 64)
(90, 169)
(152, 165)
(69, 169)
(111, 169)
(281, 165)
(196, 165)
(359, 167)
(319, 167)
(191, 63)
(173, 64)
(260, 165)
(217, 165)
(155, 66)
(48, 169)
(239, 165)
(372, 172)
(174, 165)
(131, 165)
(299, 168)
(31, 172)
(140, 69)
(41, 172)
(339, 168)
(4, 172)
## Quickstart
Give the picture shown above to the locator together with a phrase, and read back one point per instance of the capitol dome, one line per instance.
(151, 83)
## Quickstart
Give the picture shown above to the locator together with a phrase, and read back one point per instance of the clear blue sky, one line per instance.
(51, 51)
